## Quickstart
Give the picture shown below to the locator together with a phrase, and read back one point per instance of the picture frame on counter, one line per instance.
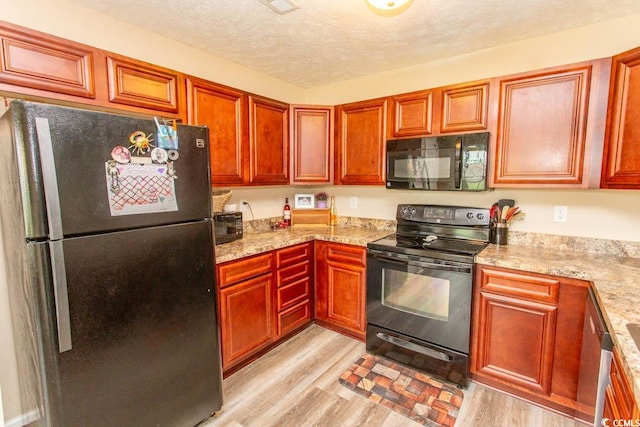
(304, 201)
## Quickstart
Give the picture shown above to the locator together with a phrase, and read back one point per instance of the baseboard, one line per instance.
(22, 419)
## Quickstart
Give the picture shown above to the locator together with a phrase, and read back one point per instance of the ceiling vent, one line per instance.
(281, 6)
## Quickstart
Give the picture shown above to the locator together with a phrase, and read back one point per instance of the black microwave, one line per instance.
(227, 226)
(451, 162)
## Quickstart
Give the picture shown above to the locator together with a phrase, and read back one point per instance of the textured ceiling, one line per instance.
(326, 41)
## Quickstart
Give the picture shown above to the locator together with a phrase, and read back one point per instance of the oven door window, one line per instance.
(416, 294)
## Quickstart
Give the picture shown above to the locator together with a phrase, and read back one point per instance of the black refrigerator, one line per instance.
(108, 241)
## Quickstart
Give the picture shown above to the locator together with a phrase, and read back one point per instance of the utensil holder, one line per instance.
(501, 234)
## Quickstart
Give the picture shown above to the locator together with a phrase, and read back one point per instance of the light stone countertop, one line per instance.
(616, 280)
(258, 242)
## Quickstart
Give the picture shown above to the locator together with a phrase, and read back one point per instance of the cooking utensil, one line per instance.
(506, 202)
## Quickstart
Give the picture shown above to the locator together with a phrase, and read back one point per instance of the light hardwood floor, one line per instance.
(296, 384)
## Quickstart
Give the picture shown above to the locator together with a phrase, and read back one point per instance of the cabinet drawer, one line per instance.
(293, 293)
(347, 254)
(520, 285)
(293, 254)
(293, 273)
(236, 271)
(294, 317)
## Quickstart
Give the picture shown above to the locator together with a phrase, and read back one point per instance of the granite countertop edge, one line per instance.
(615, 280)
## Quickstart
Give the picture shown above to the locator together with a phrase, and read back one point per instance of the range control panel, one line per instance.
(437, 214)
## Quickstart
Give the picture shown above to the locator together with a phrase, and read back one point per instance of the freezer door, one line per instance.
(66, 185)
(142, 346)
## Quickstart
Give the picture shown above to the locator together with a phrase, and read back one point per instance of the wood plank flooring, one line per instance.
(296, 384)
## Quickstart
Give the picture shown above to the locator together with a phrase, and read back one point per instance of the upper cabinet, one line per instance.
(548, 124)
(360, 142)
(621, 163)
(412, 114)
(143, 85)
(224, 111)
(464, 108)
(268, 141)
(311, 144)
(45, 63)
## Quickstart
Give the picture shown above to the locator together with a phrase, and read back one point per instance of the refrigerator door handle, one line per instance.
(49, 177)
(61, 296)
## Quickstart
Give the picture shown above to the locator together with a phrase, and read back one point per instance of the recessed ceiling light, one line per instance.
(281, 6)
(388, 7)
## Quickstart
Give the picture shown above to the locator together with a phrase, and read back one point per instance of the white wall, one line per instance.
(581, 44)
(593, 213)
(605, 214)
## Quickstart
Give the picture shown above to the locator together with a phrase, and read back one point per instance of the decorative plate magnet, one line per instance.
(140, 142)
(121, 154)
(159, 155)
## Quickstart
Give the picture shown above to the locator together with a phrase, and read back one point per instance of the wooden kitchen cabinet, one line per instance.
(294, 277)
(360, 142)
(412, 114)
(621, 162)
(224, 111)
(464, 108)
(268, 141)
(311, 144)
(526, 335)
(549, 125)
(139, 84)
(340, 287)
(619, 402)
(45, 63)
(246, 307)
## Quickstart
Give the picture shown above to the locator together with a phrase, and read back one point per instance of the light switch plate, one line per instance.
(353, 202)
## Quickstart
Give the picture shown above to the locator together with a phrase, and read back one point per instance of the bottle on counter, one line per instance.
(333, 212)
(286, 212)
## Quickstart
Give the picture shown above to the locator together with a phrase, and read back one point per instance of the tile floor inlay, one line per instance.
(404, 390)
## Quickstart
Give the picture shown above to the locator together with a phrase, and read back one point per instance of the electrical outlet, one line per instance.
(560, 213)
(353, 202)
(241, 206)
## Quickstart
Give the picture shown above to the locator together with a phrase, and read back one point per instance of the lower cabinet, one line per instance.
(262, 299)
(246, 299)
(340, 287)
(526, 335)
(619, 403)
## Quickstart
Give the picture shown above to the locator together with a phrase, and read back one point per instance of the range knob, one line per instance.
(480, 216)
(469, 215)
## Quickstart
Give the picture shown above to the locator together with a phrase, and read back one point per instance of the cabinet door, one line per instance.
(514, 329)
(464, 108)
(49, 64)
(542, 128)
(311, 145)
(246, 318)
(360, 142)
(224, 111)
(341, 287)
(621, 163)
(143, 85)
(269, 141)
(413, 114)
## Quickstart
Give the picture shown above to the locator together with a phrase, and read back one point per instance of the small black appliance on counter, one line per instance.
(228, 226)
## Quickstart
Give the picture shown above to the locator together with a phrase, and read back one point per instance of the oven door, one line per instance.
(422, 298)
